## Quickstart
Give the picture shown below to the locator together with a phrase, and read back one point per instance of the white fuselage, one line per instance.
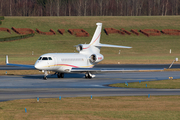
(63, 62)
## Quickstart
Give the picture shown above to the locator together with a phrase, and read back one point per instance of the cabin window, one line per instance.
(72, 59)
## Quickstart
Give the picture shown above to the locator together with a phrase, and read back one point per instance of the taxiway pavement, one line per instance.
(75, 85)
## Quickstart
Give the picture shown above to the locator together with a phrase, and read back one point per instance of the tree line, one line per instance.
(89, 7)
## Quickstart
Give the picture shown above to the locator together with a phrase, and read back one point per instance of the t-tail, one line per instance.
(97, 35)
(95, 45)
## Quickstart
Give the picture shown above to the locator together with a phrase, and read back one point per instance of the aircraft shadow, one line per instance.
(66, 75)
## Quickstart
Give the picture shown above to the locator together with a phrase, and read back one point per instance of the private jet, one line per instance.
(82, 62)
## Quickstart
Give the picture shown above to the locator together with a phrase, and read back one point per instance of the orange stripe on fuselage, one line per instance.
(93, 42)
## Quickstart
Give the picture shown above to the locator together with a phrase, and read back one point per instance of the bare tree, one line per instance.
(121, 7)
(1, 12)
(177, 6)
(140, 7)
(69, 6)
(117, 7)
(132, 7)
(100, 5)
(137, 7)
(58, 2)
(85, 7)
(50, 6)
(79, 6)
(149, 7)
(89, 7)
(166, 8)
(162, 13)
(92, 5)
(106, 3)
(24, 11)
(10, 9)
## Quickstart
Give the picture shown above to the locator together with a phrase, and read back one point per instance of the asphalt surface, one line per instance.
(75, 85)
(133, 66)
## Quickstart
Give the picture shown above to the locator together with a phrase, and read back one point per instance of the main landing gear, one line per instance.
(89, 75)
(60, 75)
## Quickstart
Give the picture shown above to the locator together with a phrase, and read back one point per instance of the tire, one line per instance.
(62, 75)
(45, 78)
(58, 75)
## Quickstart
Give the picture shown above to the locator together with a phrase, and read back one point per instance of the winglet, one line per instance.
(7, 62)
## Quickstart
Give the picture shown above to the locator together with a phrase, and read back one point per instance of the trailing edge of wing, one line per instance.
(28, 67)
(110, 70)
(115, 46)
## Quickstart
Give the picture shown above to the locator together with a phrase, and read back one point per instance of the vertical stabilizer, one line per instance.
(96, 37)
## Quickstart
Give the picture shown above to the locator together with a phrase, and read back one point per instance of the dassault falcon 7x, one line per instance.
(82, 62)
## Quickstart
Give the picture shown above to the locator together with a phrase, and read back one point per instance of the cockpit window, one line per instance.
(49, 58)
(44, 58)
(40, 58)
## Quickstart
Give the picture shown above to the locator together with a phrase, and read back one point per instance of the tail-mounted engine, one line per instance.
(94, 58)
(80, 47)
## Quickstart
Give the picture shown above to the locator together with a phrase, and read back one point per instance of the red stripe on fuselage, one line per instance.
(71, 66)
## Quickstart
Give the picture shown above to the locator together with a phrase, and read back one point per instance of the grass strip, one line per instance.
(160, 84)
(145, 50)
(106, 108)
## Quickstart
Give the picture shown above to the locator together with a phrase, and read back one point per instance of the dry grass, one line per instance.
(19, 72)
(161, 84)
(114, 108)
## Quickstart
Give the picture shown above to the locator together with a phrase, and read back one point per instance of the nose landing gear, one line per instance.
(45, 75)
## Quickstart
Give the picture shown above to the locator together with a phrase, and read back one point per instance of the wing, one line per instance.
(111, 70)
(18, 66)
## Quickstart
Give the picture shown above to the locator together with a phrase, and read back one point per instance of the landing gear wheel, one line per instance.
(88, 75)
(60, 75)
(45, 78)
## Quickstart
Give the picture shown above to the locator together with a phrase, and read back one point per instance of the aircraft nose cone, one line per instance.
(37, 65)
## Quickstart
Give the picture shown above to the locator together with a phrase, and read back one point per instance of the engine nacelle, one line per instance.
(94, 58)
(81, 46)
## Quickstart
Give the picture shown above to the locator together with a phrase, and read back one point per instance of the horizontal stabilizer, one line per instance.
(115, 46)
